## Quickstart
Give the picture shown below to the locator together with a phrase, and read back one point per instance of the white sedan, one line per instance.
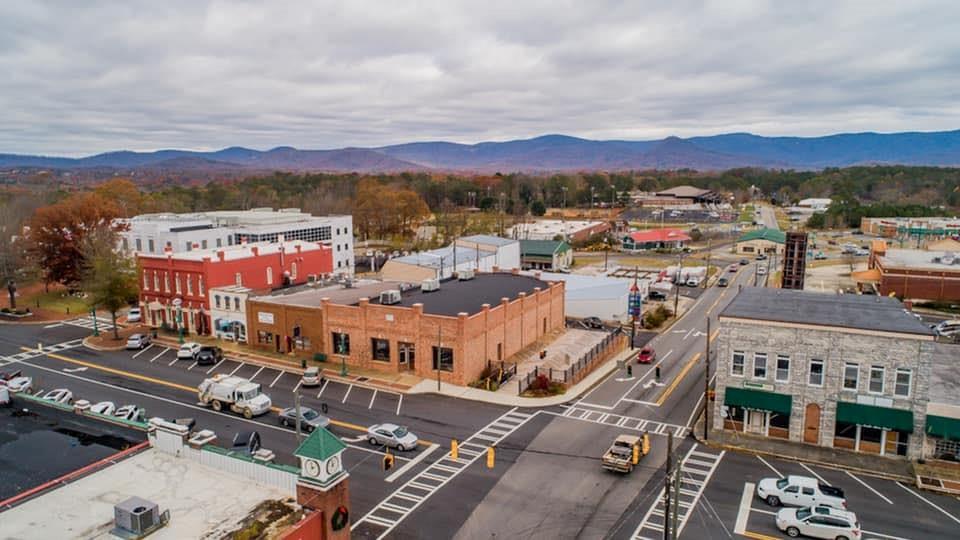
(393, 436)
(59, 395)
(20, 384)
(105, 408)
(188, 351)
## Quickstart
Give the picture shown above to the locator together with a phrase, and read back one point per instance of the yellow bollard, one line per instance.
(454, 450)
(490, 457)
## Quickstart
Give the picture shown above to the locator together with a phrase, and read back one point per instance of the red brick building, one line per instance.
(466, 323)
(175, 286)
(911, 273)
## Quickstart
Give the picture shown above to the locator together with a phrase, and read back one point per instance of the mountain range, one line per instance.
(547, 153)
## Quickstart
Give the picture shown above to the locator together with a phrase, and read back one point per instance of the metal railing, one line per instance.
(572, 374)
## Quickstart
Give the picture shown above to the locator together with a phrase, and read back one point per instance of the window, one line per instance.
(150, 245)
(876, 380)
(736, 367)
(126, 244)
(264, 338)
(166, 282)
(807, 491)
(200, 285)
(381, 349)
(216, 301)
(499, 351)
(783, 368)
(759, 365)
(445, 356)
(269, 275)
(139, 244)
(203, 244)
(851, 375)
(189, 245)
(238, 279)
(146, 282)
(219, 242)
(156, 281)
(176, 283)
(190, 285)
(341, 343)
(816, 373)
(902, 386)
(293, 270)
(236, 303)
(338, 247)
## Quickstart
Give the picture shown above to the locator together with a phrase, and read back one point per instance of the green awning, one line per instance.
(873, 416)
(758, 399)
(941, 426)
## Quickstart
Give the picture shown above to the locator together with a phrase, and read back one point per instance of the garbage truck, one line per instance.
(235, 393)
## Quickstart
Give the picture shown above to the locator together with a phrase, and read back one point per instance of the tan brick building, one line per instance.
(490, 317)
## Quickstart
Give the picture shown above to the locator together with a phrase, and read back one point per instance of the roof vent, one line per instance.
(390, 297)
(429, 285)
(136, 518)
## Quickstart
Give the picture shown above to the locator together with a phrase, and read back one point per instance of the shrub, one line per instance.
(656, 317)
(5, 310)
(540, 383)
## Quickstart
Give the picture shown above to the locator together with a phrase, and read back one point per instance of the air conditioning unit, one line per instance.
(428, 285)
(464, 275)
(136, 518)
(390, 297)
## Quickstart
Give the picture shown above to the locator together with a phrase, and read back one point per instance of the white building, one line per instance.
(480, 252)
(151, 233)
(228, 311)
(818, 205)
(595, 296)
(550, 229)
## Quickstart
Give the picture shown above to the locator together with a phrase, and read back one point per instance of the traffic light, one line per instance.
(387, 462)
(454, 449)
(490, 457)
(646, 443)
(636, 454)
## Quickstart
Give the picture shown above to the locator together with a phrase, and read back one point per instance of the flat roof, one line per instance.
(917, 258)
(311, 295)
(684, 192)
(489, 239)
(468, 296)
(237, 251)
(877, 313)
(945, 376)
(433, 257)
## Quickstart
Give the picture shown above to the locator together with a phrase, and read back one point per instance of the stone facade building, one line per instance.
(851, 372)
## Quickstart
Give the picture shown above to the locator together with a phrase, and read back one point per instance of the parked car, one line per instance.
(593, 322)
(761, 257)
(800, 491)
(138, 341)
(188, 351)
(761, 270)
(106, 408)
(246, 442)
(59, 395)
(656, 295)
(189, 422)
(133, 315)
(947, 328)
(744, 262)
(692, 282)
(311, 377)
(647, 355)
(393, 436)
(309, 418)
(4, 395)
(819, 522)
(723, 282)
(209, 355)
(129, 412)
(8, 375)
(20, 384)
(820, 256)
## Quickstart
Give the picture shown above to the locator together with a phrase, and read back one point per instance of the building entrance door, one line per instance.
(811, 424)
(407, 356)
(757, 422)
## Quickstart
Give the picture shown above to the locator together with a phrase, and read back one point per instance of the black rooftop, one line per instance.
(865, 312)
(468, 296)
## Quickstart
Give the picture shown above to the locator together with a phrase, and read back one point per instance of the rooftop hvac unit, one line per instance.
(136, 518)
(428, 285)
(390, 297)
(464, 275)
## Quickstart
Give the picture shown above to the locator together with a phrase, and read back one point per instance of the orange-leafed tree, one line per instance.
(124, 194)
(54, 239)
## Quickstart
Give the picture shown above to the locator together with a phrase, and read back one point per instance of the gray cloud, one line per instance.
(204, 75)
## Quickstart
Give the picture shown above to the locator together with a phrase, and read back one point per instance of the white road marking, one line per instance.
(875, 492)
(174, 361)
(237, 368)
(744, 513)
(193, 365)
(55, 325)
(324, 387)
(345, 396)
(413, 462)
(399, 403)
(917, 495)
(257, 373)
(74, 370)
(688, 334)
(373, 397)
(771, 466)
(765, 512)
(278, 378)
(817, 476)
(143, 350)
(215, 366)
(297, 387)
(871, 533)
(163, 352)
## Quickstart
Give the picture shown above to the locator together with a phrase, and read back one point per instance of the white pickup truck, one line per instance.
(238, 394)
(800, 491)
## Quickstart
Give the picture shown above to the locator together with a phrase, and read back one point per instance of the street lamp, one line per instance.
(342, 351)
(180, 322)
(93, 315)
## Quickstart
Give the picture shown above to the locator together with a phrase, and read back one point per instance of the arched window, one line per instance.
(293, 270)
(269, 275)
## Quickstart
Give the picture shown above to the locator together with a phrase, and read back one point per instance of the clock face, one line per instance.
(312, 468)
(333, 465)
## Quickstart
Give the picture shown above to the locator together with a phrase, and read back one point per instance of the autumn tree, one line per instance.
(124, 194)
(381, 210)
(54, 239)
(108, 277)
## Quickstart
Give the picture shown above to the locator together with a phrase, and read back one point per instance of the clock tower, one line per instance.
(322, 485)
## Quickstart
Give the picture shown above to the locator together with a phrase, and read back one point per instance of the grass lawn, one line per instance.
(55, 300)
(746, 213)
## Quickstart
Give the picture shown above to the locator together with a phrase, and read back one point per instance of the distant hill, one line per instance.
(549, 153)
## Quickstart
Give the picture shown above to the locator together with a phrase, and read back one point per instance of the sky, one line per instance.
(86, 77)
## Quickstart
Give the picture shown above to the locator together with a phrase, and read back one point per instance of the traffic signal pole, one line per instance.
(666, 488)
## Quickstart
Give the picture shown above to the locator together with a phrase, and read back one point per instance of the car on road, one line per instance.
(761, 271)
(59, 395)
(733, 268)
(138, 341)
(761, 257)
(647, 355)
(692, 282)
(797, 490)
(309, 418)
(593, 322)
(105, 408)
(723, 282)
(744, 262)
(133, 315)
(819, 522)
(393, 436)
(619, 457)
(188, 351)
(656, 295)
(209, 355)
(311, 377)
(820, 256)
(20, 384)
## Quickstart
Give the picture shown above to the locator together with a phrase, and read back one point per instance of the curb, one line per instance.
(89, 345)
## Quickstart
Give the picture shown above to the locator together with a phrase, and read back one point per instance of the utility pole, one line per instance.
(706, 385)
(666, 488)
(439, 351)
(676, 504)
(706, 278)
(296, 405)
(676, 283)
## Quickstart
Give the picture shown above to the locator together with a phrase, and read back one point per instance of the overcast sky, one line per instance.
(206, 75)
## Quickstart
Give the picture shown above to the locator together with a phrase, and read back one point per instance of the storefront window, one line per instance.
(381, 349)
(341, 343)
(264, 338)
(445, 356)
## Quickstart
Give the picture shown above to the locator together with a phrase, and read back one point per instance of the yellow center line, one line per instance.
(174, 385)
(715, 334)
(758, 536)
(676, 381)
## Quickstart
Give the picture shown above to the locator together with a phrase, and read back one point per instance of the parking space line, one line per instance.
(817, 476)
(399, 403)
(412, 463)
(771, 467)
(744, 513)
(174, 361)
(875, 492)
(881, 535)
(163, 352)
(143, 350)
(278, 378)
(324, 387)
(917, 495)
(373, 397)
(193, 365)
(215, 366)
(345, 396)
(297, 387)
(237, 368)
(257, 373)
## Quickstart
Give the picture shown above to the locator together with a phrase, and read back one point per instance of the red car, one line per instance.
(647, 355)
